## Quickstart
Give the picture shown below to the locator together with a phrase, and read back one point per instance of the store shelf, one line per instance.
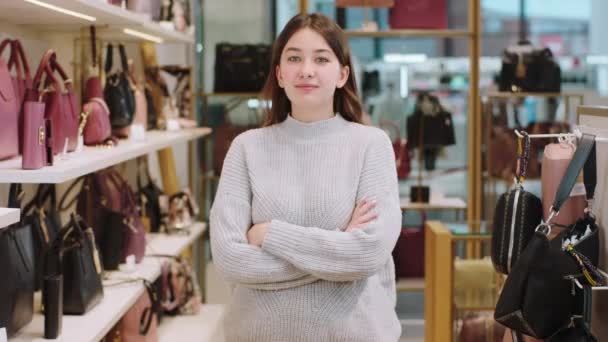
(206, 326)
(111, 20)
(508, 95)
(8, 216)
(91, 159)
(410, 285)
(435, 203)
(409, 33)
(174, 244)
(119, 298)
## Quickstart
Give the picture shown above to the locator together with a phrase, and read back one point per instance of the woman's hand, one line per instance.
(362, 215)
(257, 233)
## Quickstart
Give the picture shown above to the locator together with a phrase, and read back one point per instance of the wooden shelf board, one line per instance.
(410, 285)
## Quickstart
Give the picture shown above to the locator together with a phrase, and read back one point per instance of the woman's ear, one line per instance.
(344, 73)
(279, 76)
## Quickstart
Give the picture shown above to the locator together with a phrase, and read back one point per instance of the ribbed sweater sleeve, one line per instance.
(230, 219)
(336, 255)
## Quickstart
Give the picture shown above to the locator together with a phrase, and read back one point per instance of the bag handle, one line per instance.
(523, 150)
(62, 203)
(581, 158)
(109, 57)
(124, 63)
(18, 58)
(93, 46)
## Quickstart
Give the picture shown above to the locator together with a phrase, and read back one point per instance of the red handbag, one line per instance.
(9, 111)
(37, 143)
(418, 14)
(408, 254)
(61, 107)
(401, 148)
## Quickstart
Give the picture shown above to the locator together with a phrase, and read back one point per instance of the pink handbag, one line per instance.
(22, 80)
(555, 162)
(9, 111)
(37, 142)
(97, 128)
(365, 3)
(61, 106)
(140, 323)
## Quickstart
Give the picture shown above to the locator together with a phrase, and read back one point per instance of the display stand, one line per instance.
(63, 29)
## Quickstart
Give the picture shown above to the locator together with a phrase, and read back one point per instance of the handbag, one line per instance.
(16, 262)
(400, 146)
(419, 14)
(60, 106)
(140, 323)
(241, 67)
(481, 327)
(107, 203)
(580, 331)
(81, 268)
(9, 111)
(149, 196)
(148, 7)
(46, 224)
(156, 92)
(516, 216)
(22, 78)
(408, 254)
(118, 92)
(179, 211)
(37, 136)
(556, 158)
(180, 293)
(539, 297)
(525, 68)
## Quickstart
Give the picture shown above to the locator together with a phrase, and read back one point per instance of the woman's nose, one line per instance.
(307, 70)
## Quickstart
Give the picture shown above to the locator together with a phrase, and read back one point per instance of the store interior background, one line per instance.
(574, 30)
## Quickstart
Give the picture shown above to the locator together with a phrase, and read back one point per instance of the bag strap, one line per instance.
(62, 203)
(93, 46)
(523, 151)
(123, 58)
(109, 57)
(580, 158)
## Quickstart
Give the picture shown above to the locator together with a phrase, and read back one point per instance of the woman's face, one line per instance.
(309, 71)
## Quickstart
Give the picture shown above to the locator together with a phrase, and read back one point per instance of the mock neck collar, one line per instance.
(312, 130)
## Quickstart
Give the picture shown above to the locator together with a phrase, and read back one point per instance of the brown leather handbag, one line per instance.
(140, 323)
(481, 327)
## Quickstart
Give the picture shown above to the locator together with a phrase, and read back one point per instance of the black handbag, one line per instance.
(81, 268)
(149, 204)
(241, 67)
(118, 92)
(525, 68)
(17, 265)
(430, 125)
(539, 297)
(45, 222)
(580, 331)
(516, 216)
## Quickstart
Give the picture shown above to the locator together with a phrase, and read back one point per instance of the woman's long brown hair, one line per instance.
(346, 100)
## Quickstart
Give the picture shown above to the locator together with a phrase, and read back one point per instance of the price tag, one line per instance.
(173, 125)
(138, 132)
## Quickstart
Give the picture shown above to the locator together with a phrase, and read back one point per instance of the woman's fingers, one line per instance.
(364, 206)
(366, 218)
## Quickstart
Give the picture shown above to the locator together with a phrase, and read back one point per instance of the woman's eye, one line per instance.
(293, 58)
(322, 60)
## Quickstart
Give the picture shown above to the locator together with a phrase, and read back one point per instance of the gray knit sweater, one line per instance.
(310, 281)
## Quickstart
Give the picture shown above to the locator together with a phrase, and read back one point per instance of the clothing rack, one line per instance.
(577, 134)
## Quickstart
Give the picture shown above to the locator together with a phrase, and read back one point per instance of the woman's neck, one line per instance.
(312, 114)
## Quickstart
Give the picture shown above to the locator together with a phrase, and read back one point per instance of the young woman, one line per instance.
(307, 210)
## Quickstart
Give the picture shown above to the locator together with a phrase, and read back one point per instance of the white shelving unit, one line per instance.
(8, 216)
(91, 159)
(119, 298)
(111, 20)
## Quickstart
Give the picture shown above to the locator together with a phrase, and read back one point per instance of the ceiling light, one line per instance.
(143, 35)
(62, 10)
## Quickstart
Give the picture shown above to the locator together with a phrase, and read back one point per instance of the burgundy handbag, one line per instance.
(9, 111)
(408, 254)
(401, 148)
(418, 14)
(108, 204)
(97, 128)
(61, 107)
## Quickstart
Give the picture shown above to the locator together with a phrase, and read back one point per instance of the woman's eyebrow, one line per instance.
(294, 49)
